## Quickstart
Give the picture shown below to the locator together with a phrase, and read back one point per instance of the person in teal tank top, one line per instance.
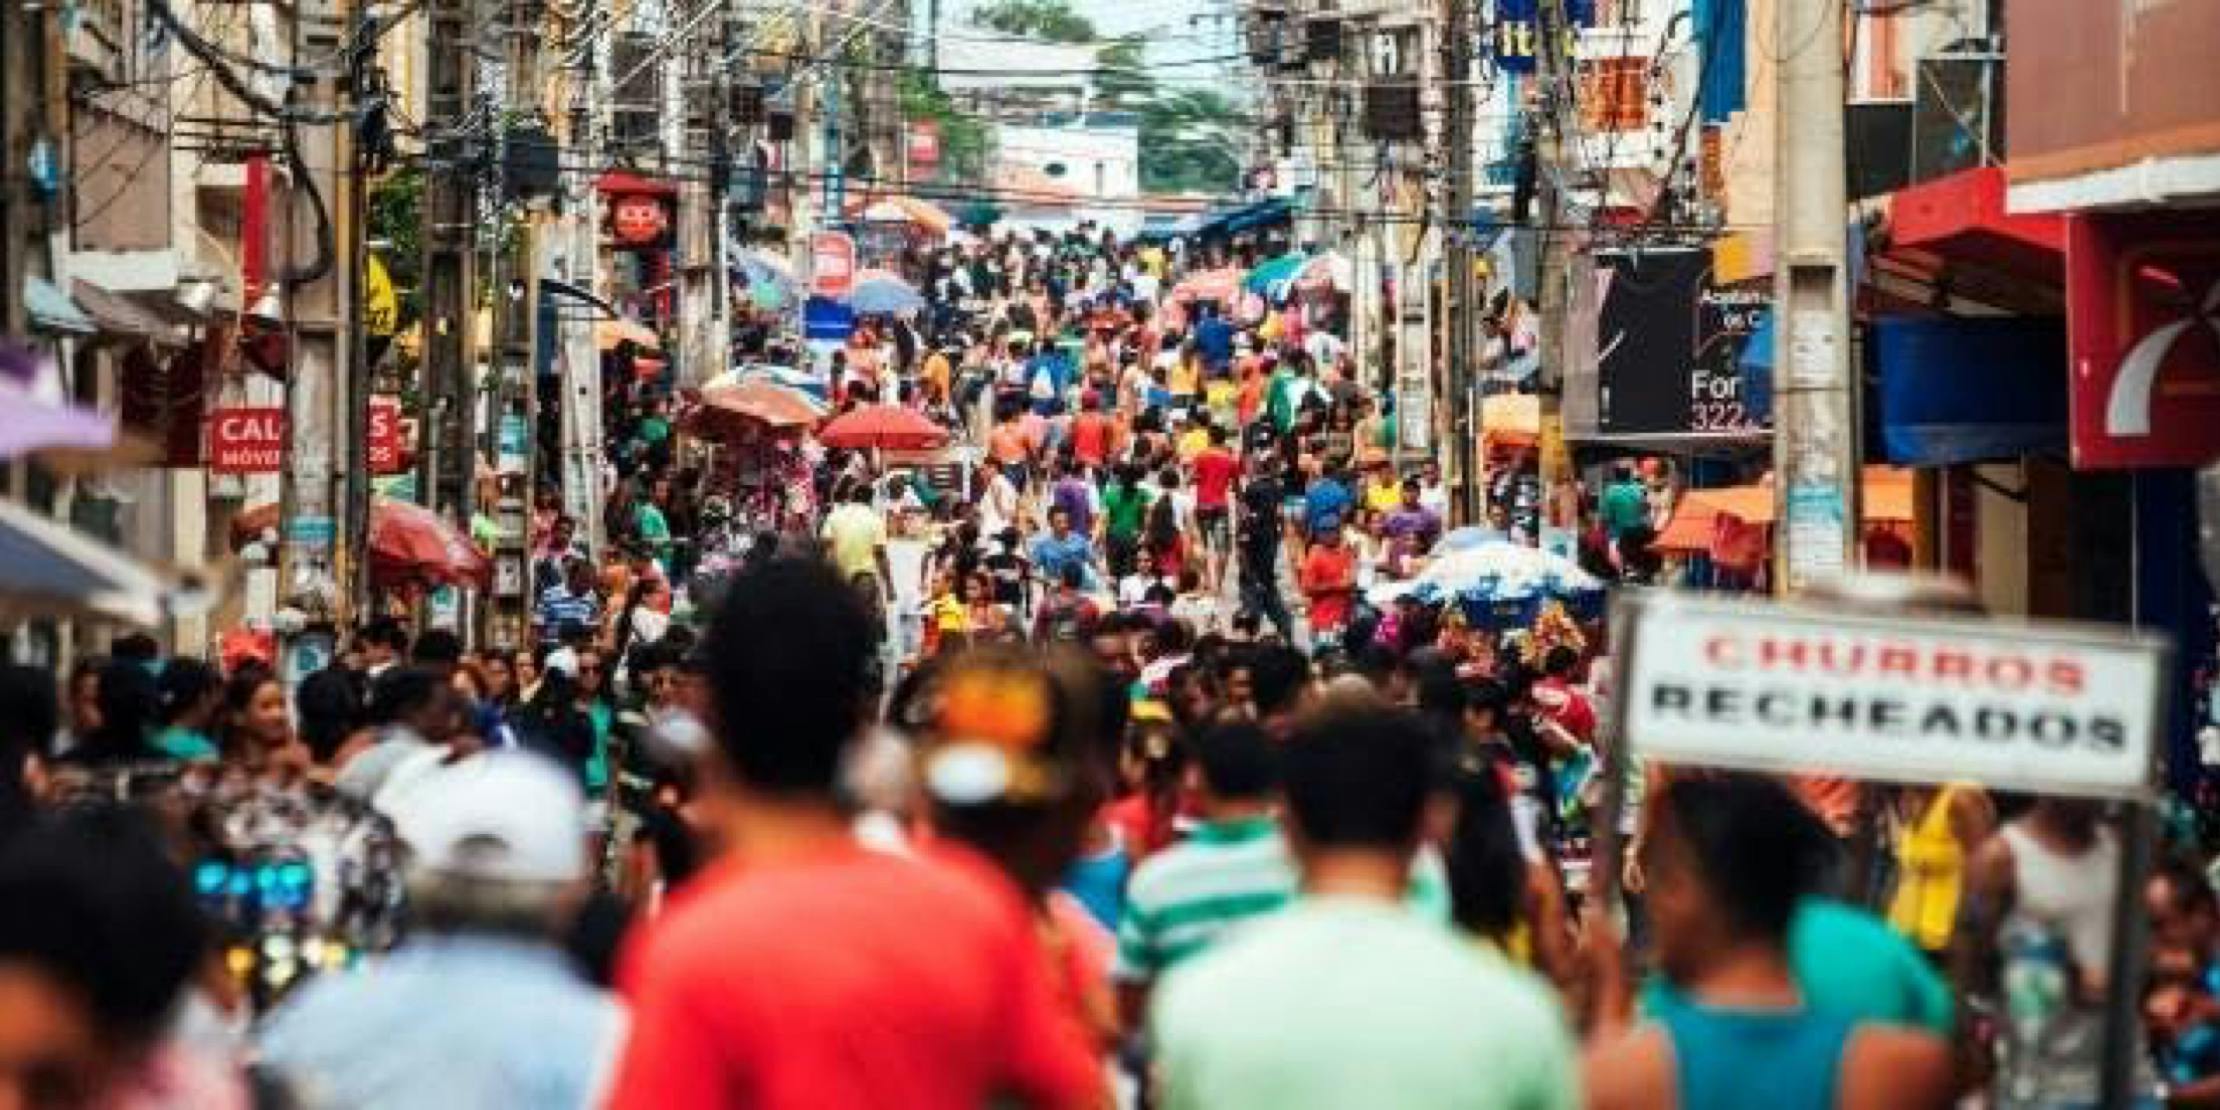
(1729, 858)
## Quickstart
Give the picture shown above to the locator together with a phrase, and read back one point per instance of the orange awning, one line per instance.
(1887, 499)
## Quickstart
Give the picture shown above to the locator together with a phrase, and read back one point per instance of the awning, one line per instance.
(50, 569)
(1971, 390)
(51, 310)
(1886, 497)
(1962, 219)
(117, 314)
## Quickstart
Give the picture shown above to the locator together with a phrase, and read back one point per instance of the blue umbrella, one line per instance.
(884, 295)
(1499, 584)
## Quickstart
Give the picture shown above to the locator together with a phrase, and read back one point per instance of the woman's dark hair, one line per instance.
(1487, 870)
(239, 691)
(128, 707)
(634, 597)
(1163, 525)
(29, 715)
(1756, 848)
(184, 684)
(94, 901)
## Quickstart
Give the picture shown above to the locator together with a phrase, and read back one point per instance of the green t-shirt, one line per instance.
(603, 715)
(654, 430)
(1849, 962)
(1279, 399)
(190, 745)
(648, 521)
(1340, 1002)
(1624, 505)
(1123, 507)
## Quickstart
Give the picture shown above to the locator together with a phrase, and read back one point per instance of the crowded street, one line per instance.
(782, 555)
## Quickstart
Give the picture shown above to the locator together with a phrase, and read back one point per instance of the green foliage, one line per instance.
(1049, 20)
(1187, 142)
(396, 215)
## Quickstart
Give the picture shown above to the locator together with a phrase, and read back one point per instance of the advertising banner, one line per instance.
(246, 440)
(2143, 337)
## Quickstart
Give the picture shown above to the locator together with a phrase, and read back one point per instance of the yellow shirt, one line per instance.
(1185, 379)
(1191, 443)
(1383, 498)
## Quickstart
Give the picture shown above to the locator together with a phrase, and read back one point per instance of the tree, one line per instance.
(1187, 142)
(396, 216)
(1047, 20)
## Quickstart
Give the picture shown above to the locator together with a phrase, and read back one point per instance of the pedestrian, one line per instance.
(1349, 996)
(1728, 860)
(480, 1007)
(1257, 546)
(257, 731)
(1329, 580)
(771, 982)
(189, 696)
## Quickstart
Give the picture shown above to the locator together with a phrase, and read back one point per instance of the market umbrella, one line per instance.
(407, 541)
(48, 569)
(886, 427)
(1499, 584)
(769, 277)
(758, 400)
(609, 333)
(1275, 277)
(1331, 270)
(879, 293)
(1221, 286)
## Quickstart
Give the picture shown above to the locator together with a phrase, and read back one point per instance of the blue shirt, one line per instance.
(449, 1021)
(1052, 555)
(1214, 338)
(1326, 500)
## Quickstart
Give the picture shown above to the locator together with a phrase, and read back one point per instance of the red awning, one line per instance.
(621, 183)
(1962, 219)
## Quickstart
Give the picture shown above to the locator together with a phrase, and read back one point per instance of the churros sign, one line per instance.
(2067, 709)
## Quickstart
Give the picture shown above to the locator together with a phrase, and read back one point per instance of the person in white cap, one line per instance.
(480, 1007)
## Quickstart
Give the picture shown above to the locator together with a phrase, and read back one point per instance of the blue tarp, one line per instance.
(1230, 221)
(1720, 35)
(1959, 391)
(1756, 364)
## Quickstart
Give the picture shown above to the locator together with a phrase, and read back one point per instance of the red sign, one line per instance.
(382, 436)
(639, 220)
(246, 440)
(832, 264)
(2143, 331)
(924, 144)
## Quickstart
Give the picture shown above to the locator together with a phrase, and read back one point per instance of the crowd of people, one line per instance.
(1096, 777)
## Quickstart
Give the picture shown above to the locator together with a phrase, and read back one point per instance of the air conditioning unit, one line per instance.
(1322, 39)
(1391, 110)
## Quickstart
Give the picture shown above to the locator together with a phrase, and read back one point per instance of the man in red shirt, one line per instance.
(802, 969)
(1329, 579)
(1091, 432)
(1215, 470)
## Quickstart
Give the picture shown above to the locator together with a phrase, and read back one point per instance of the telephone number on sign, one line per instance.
(1720, 416)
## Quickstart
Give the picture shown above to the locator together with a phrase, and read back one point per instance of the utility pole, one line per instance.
(695, 257)
(581, 361)
(1458, 380)
(1553, 465)
(516, 270)
(450, 230)
(16, 85)
(318, 561)
(1815, 441)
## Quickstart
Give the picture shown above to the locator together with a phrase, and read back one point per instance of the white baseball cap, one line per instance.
(503, 815)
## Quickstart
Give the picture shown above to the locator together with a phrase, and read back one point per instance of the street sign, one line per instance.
(246, 440)
(2040, 706)
(832, 264)
(382, 436)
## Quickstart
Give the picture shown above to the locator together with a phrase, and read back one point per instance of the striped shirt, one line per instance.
(1184, 898)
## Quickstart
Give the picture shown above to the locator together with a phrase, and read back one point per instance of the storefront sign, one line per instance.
(2060, 709)
(832, 264)
(1517, 30)
(246, 440)
(2143, 334)
(1668, 346)
(382, 436)
(640, 220)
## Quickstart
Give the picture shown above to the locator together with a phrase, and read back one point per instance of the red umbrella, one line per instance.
(406, 541)
(759, 400)
(889, 427)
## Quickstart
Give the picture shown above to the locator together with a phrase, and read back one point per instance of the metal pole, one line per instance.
(1815, 444)
(1456, 227)
(1553, 465)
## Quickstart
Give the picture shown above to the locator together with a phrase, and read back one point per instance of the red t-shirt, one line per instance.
(1215, 470)
(853, 978)
(1327, 572)
(1090, 438)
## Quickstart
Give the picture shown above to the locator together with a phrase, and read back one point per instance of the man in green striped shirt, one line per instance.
(1234, 866)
